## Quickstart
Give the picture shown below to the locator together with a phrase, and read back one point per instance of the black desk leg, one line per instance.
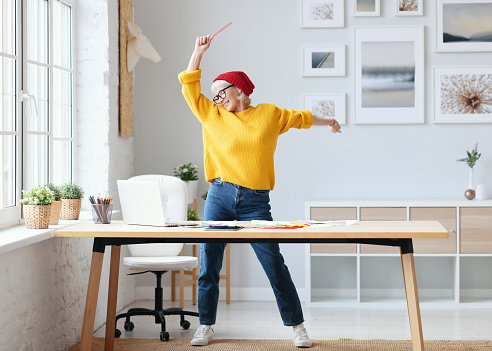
(410, 279)
(114, 270)
(91, 299)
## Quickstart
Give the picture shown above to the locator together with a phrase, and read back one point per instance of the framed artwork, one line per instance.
(322, 13)
(464, 25)
(409, 8)
(324, 60)
(389, 66)
(367, 8)
(326, 106)
(462, 94)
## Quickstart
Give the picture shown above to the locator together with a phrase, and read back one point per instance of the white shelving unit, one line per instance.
(453, 272)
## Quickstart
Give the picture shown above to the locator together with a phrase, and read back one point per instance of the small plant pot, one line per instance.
(191, 188)
(70, 209)
(37, 216)
(55, 212)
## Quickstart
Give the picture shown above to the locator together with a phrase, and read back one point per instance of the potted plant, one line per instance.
(57, 203)
(72, 195)
(192, 215)
(37, 207)
(471, 159)
(188, 174)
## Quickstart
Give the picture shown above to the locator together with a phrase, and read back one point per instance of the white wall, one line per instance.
(266, 40)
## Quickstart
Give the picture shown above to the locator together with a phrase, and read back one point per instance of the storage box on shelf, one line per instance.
(450, 272)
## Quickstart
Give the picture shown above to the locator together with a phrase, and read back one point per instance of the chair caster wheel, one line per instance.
(164, 336)
(129, 326)
(185, 324)
(117, 333)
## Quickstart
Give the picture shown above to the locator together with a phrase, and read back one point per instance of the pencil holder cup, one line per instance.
(101, 213)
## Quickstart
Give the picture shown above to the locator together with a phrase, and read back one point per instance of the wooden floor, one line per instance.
(261, 320)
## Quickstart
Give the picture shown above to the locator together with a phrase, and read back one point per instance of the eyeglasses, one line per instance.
(221, 94)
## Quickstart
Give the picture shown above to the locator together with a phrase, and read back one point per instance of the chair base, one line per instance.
(158, 312)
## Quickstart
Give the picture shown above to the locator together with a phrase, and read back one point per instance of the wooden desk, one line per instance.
(398, 233)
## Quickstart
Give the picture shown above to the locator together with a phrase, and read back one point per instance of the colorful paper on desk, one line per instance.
(298, 224)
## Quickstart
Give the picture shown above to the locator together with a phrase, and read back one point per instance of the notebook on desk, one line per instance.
(141, 203)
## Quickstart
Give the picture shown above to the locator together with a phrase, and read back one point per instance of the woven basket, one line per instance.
(70, 209)
(37, 216)
(55, 212)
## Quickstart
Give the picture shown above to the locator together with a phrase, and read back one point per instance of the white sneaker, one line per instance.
(301, 338)
(203, 335)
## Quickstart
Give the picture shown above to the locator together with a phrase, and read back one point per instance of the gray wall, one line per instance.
(266, 40)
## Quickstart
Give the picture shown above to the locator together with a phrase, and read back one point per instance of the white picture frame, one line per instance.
(366, 8)
(326, 106)
(462, 94)
(319, 61)
(464, 25)
(322, 13)
(409, 7)
(389, 75)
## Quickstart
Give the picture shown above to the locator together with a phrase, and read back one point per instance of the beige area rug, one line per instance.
(281, 345)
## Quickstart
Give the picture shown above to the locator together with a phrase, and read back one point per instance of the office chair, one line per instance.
(160, 258)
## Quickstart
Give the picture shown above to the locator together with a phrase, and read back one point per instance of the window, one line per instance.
(36, 105)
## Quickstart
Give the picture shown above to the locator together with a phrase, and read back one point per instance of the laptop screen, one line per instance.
(141, 202)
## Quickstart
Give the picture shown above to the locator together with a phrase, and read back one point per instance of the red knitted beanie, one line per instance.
(239, 79)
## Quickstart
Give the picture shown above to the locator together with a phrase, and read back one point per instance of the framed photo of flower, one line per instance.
(322, 13)
(367, 8)
(464, 25)
(326, 106)
(409, 8)
(462, 94)
(324, 60)
(389, 82)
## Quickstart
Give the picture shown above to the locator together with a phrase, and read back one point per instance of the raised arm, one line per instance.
(201, 45)
(330, 122)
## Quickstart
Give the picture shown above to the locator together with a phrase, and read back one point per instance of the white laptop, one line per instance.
(141, 203)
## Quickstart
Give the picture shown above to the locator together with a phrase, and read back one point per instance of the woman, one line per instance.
(239, 145)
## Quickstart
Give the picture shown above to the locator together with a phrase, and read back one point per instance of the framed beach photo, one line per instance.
(324, 60)
(389, 66)
(326, 106)
(464, 25)
(322, 13)
(462, 94)
(367, 8)
(409, 7)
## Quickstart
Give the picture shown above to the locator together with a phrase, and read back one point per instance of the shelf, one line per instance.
(452, 272)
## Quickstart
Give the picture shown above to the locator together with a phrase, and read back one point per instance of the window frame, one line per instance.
(13, 215)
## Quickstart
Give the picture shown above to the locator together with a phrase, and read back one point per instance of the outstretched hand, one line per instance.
(335, 128)
(203, 43)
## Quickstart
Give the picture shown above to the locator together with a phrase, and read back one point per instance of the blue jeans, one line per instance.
(228, 202)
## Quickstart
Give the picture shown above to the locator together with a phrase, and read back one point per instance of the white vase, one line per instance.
(471, 180)
(191, 188)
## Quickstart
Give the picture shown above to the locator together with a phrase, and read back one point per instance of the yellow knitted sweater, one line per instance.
(239, 147)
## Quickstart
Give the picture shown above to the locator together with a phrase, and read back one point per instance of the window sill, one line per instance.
(19, 236)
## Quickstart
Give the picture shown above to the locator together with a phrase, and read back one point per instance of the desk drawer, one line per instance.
(447, 217)
(476, 230)
(381, 214)
(328, 214)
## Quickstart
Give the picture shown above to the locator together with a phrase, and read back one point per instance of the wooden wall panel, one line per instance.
(126, 78)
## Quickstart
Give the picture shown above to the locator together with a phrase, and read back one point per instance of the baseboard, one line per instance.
(237, 294)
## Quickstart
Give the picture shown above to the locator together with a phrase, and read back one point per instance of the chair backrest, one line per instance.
(175, 207)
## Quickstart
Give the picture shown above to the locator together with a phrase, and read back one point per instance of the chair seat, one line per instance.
(161, 263)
